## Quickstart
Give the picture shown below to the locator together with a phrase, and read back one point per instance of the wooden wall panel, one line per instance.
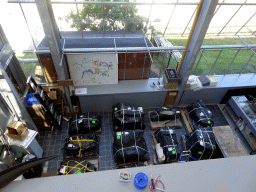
(134, 66)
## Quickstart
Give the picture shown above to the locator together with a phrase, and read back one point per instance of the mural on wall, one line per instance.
(93, 68)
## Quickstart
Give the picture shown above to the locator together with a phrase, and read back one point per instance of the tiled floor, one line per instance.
(53, 142)
(218, 117)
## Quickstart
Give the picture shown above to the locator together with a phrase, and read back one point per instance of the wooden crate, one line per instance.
(186, 120)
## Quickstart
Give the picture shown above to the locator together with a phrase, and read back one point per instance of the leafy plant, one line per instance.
(95, 17)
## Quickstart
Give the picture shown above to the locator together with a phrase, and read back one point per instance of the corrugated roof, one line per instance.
(95, 39)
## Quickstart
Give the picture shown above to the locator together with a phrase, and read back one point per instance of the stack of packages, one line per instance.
(201, 142)
(81, 146)
(163, 114)
(84, 123)
(200, 115)
(167, 139)
(82, 143)
(130, 147)
(129, 144)
(127, 117)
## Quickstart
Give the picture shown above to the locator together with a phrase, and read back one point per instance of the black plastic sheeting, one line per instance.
(127, 117)
(84, 123)
(81, 146)
(163, 114)
(167, 138)
(130, 146)
(201, 143)
(200, 115)
(76, 167)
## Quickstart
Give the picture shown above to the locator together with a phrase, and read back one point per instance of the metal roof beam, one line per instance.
(124, 3)
(197, 35)
(53, 37)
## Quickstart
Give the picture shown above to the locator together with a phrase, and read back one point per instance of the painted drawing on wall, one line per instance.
(93, 68)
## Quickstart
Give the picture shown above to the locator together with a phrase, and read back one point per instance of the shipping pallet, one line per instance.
(186, 120)
(146, 163)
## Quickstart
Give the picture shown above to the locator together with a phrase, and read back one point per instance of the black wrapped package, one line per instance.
(76, 167)
(130, 146)
(200, 115)
(168, 141)
(84, 123)
(32, 172)
(128, 110)
(81, 146)
(163, 114)
(127, 123)
(127, 117)
(201, 143)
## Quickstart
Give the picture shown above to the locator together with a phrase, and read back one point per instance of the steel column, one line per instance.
(215, 63)
(218, 9)
(230, 19)
(246, 64)
(169, 19)
(198, 61)
(194, 43)
(189, 21)
(53, 37)
(247, 45)
(146, 28)
(232, 61)
(27, 25)
(24, 113)
(246, 23)
(79, 20)
(125, 27)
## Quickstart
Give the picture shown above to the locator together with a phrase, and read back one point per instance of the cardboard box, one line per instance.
(16, 128)
(171, 85)
(20, 137)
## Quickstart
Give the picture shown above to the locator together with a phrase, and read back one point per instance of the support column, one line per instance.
(53, 37)
(197, 35)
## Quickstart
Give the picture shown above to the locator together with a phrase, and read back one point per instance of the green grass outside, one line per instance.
(224, 60)
(28, 67)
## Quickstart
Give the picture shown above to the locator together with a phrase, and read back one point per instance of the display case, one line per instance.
(244, 117)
